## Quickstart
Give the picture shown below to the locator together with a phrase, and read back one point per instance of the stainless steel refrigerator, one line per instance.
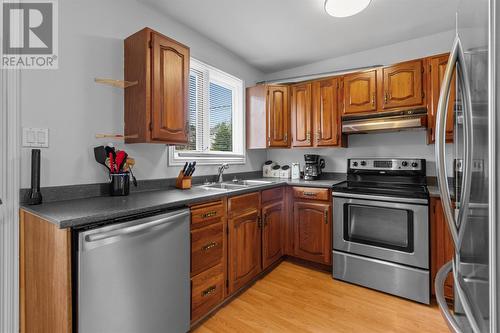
(469, 192)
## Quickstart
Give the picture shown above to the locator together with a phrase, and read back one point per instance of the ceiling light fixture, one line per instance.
(345, 8)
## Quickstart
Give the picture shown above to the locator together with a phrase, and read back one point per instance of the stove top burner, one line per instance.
(383, 189)
(404, 178)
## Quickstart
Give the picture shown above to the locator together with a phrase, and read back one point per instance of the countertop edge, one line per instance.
(103, 216)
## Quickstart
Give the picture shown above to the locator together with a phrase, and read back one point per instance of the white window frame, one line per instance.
(238, 155)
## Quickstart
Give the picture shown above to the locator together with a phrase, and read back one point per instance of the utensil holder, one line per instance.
(183, 182)
(120, 184)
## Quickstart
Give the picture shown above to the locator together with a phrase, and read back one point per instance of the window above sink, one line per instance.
(216, 125)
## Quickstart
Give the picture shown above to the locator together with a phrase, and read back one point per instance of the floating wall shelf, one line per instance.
(116, 83)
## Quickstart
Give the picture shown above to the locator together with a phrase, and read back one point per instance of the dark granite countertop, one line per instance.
(80, 212)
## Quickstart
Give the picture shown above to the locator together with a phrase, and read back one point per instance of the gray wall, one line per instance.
(408, 144)
(74, 108)
(400, 144)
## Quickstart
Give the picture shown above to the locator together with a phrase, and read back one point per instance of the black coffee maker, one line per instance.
(312, 169)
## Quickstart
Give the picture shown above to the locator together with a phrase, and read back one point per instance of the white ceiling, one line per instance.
(273, 35)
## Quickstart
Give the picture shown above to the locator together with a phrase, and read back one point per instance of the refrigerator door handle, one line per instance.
(443, 306)
(457, 227)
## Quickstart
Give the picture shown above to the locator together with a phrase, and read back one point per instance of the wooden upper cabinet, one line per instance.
(402, 85)
(278, 116)
(325, 112)
(360, 92)
(301, 115)
(437, 67)
(170, 74)
(156, 109)
(256, 119)
(273, 215)
(312, 231)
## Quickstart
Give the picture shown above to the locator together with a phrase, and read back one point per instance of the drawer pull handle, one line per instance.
(209, 246)
(209, 291)
(309, 194)
(209, 214)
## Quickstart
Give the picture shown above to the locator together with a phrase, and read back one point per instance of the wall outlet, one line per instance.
(35, 137)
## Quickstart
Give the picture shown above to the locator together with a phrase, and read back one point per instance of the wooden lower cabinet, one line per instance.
(312, 231)
(208, 257)
(273, 216)
(441, 245)
(244, 252)
(45, 298)
(207, 291)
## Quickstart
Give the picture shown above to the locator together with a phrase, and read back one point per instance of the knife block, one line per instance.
(183, 182)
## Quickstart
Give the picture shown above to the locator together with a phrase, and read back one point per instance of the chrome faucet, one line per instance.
(221, 171)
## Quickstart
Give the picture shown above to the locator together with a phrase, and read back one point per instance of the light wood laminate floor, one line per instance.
(293, 298)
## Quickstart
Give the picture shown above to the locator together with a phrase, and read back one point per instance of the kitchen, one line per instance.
(187, 168)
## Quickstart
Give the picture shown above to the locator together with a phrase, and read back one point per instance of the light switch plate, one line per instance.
(35, 137)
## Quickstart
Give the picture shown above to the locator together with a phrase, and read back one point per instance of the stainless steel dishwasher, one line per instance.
(133, 275)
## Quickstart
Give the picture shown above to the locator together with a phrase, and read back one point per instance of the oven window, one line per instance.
(384, 227)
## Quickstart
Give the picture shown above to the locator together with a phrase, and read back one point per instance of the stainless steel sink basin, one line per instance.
(250, 182)
(224, 186)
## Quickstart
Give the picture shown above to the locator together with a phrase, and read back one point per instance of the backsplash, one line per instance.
(406, 144)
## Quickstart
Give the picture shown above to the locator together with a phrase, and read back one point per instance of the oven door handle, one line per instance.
(380, 198)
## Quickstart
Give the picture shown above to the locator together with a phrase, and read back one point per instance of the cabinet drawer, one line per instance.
(243, 203)
(206, 247)
(206, 291)
(311, 193)
(208, 213)
(273, 194)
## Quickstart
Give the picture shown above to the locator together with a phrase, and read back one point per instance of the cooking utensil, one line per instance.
(121, 159)
(184, 169)
(191, 171)
(100, 155)
(188, 170)
(134, 180)
(111, 163)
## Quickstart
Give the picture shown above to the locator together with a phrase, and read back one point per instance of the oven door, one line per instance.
(392, 231)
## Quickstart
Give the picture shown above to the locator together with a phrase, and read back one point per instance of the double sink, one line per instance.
(235, 185)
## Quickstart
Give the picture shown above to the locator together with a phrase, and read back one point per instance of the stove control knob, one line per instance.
(355, 164)
(404, 163)
(363, 163)
(414, 164)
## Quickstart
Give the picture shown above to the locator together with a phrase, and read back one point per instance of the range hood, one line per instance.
(385, 122)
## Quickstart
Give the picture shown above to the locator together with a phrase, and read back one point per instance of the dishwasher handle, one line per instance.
(124, 232)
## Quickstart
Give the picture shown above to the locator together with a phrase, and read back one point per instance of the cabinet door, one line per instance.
(272, 217)
(278, 116)
(244, 249)
(301, 115)
(441, 245)
(437, 69)
(360, 92)
(326, 115)
(402, 85)
(170, 75)
(312, 236)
